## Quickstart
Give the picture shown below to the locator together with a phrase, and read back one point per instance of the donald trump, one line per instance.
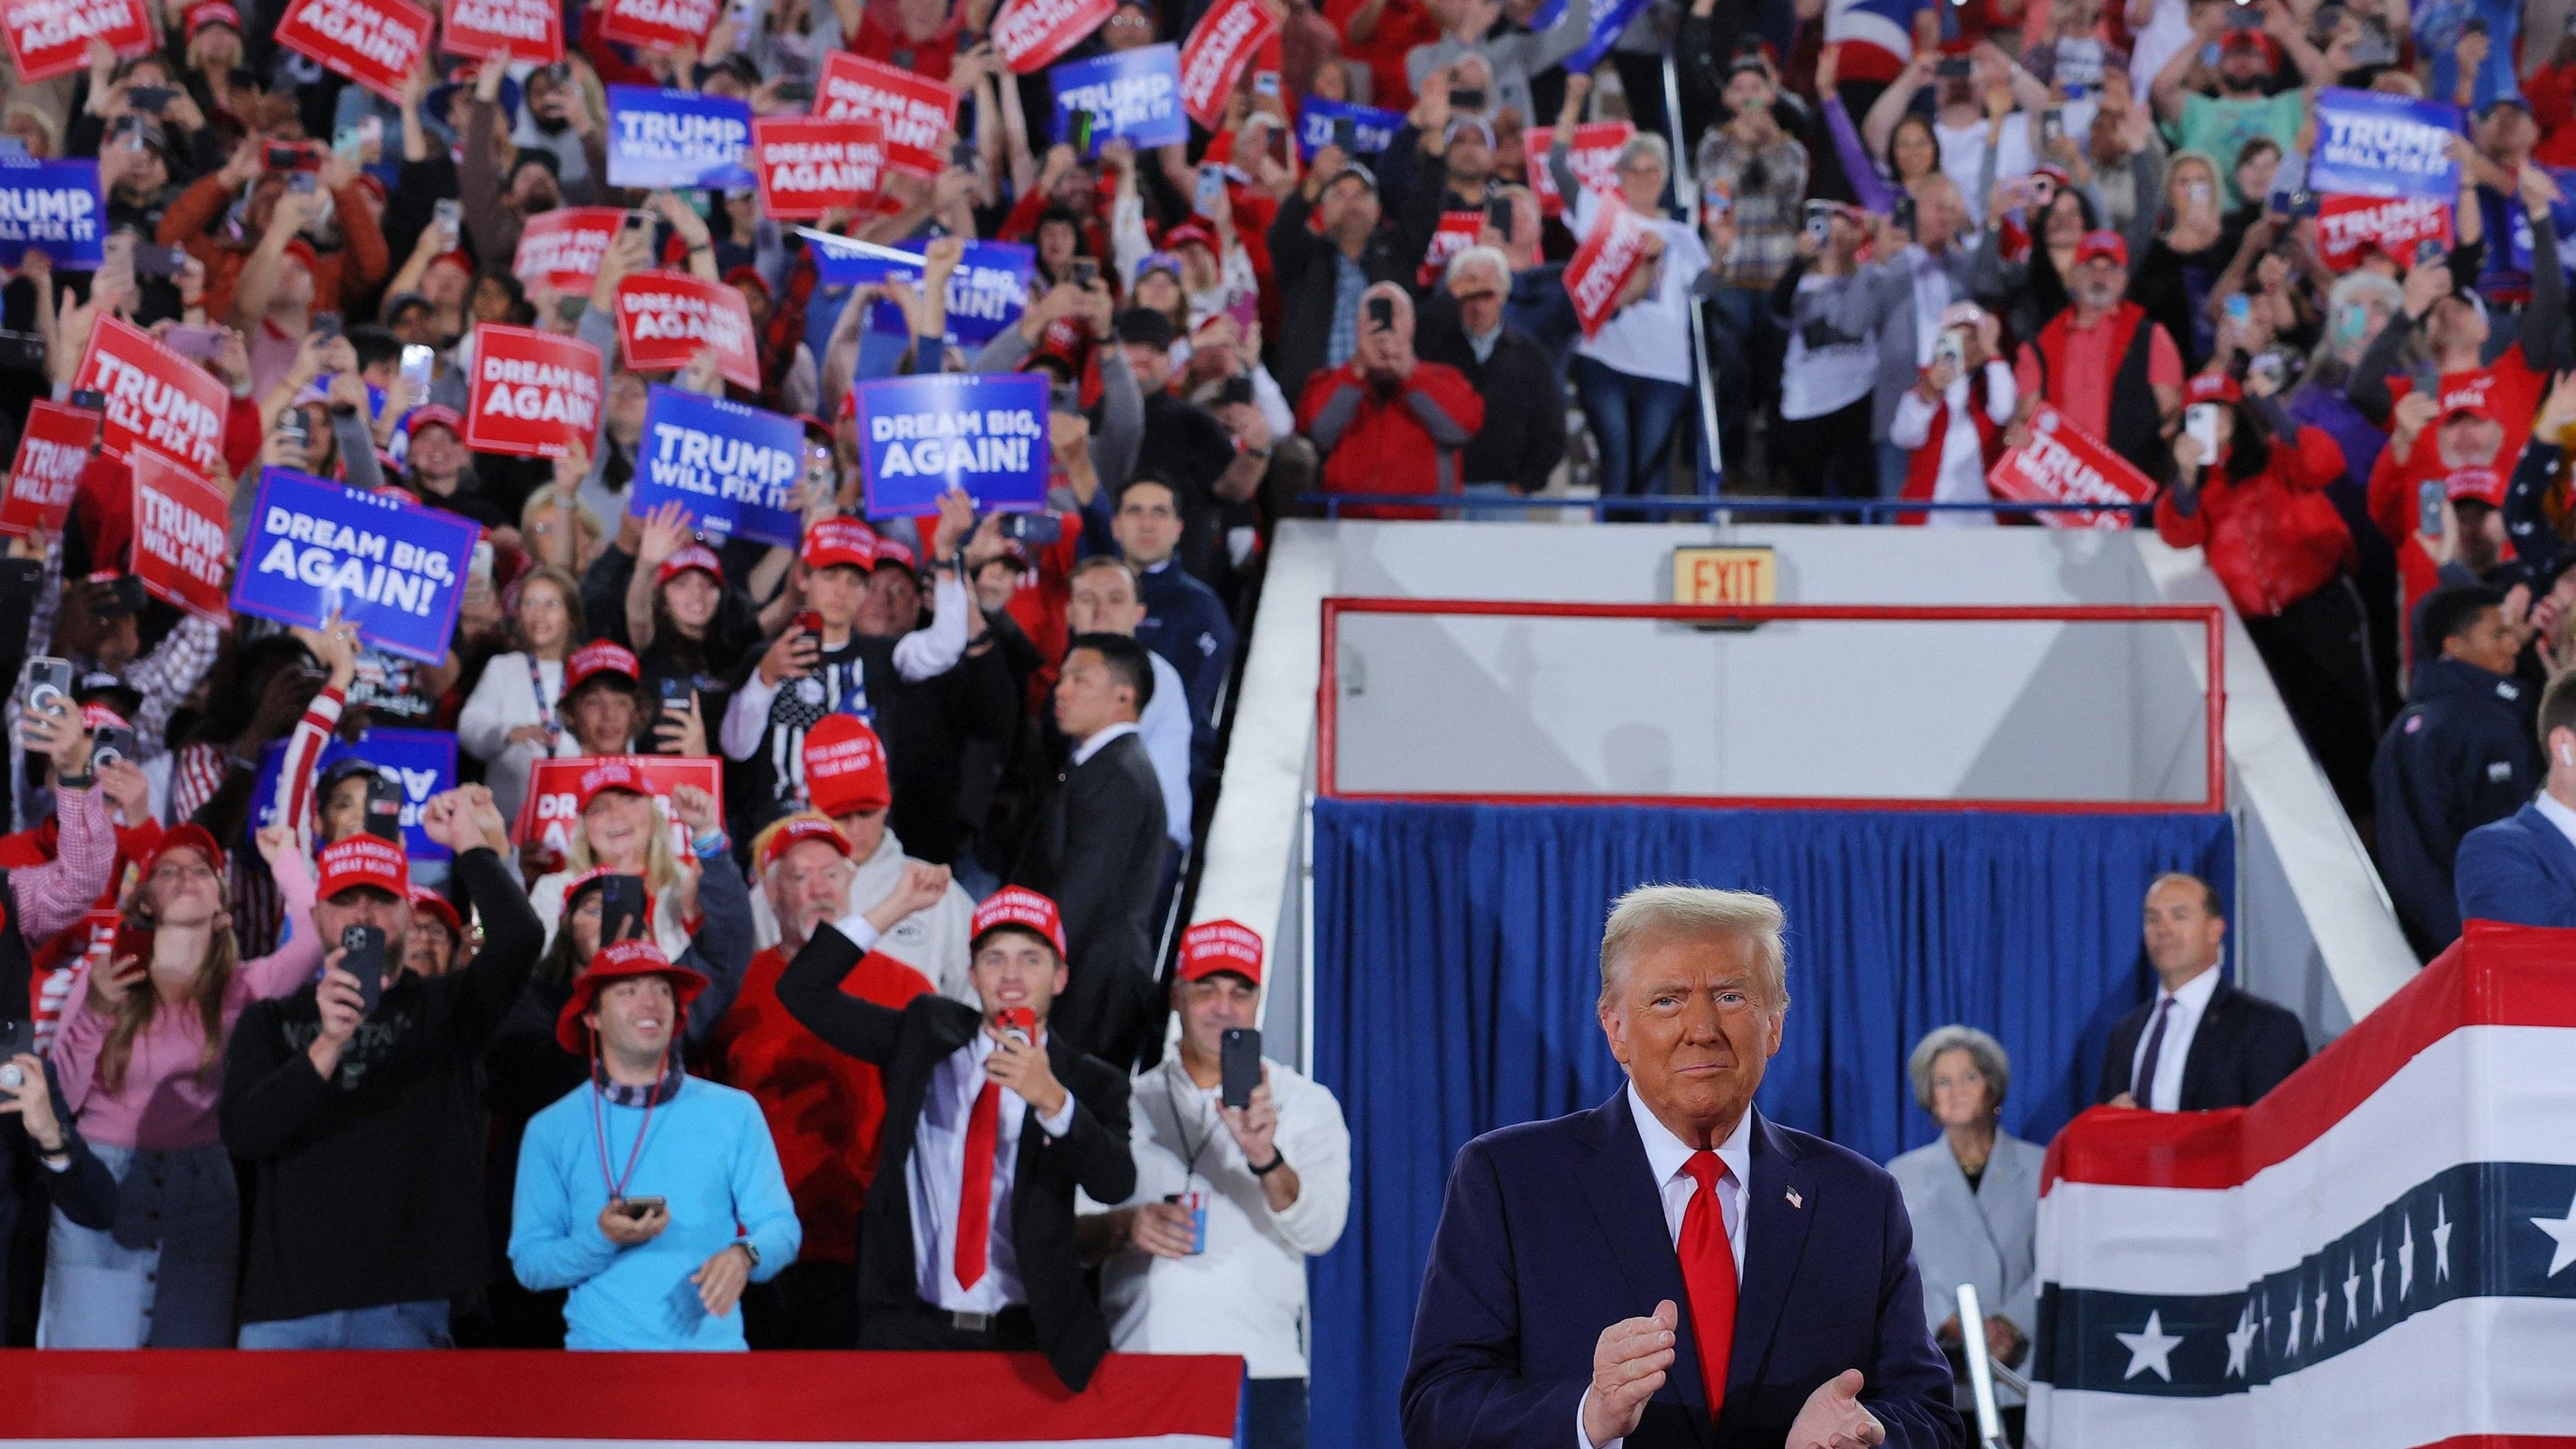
(1670, 1268)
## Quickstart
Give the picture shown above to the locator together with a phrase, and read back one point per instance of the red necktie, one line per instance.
(1708, 1275)
(975, 1190)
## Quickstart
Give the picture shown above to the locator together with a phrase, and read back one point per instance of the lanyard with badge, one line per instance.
(1191, 1196)
(545, 707)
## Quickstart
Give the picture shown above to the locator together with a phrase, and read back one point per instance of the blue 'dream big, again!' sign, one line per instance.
(986, 294)
(733, 467)
(676, 139)
(985, 433)
(1131, 93)
(396, 570)
(2370, 144)
(423, 761)
(51, 207)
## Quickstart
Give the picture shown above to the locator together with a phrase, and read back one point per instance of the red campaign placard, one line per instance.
(1603, 264)
(561, 248)
(1594, 157)
(1030, 34)
(51, 37)
(527, 29)
(1457, 231)
(535, 394)
(183, 549)
(2346, 224)
(51, 454)
(544, 827)
(659, 24)
(663, 318)
(154, 396)
(377, 43)
(1214, 56)
(914, 110)
(2063, 464)
(808, 166)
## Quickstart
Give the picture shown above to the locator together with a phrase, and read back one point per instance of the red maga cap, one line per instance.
(845, 767)
(432, 415)
(844, 541)
(605, 776)
(2475, 485)
(599, 656)
(425, 900)
(2097, 245)
(695, 556)
(618, 962)
(1213, 946)
(1022, 908)
(796, 830)
(364, 860)
(2215, 387)
(186, 837)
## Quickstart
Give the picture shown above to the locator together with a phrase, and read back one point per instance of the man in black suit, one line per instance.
(2201, 1044)
(1098, 846)
(989, 1118)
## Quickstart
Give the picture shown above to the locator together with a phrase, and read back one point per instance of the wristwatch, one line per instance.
(1278, 1160)
(748, 1251)
(80, 781)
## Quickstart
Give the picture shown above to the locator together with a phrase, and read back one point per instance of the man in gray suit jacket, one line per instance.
(1901, 299)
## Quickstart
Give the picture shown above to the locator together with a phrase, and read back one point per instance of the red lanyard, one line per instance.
(599, 1123)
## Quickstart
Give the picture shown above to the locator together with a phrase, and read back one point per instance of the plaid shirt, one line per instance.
(1767, 216)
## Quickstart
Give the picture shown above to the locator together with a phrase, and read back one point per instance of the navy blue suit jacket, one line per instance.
(2520, 869)
(1553, 1231)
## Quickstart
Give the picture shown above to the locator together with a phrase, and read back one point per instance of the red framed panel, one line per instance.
(2210, 617)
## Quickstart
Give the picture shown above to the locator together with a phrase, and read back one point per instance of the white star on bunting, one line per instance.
(2240, 1340)
(2351, 1294)
(2406, 1259)
(2150, 1351)
(2378, 1270)
(2320, 1320)
(2561, 1231)
(2442, 1226)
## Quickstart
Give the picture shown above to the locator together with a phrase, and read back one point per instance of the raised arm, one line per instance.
(810, 988)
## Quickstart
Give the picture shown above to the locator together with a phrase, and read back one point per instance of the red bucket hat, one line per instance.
(619, 962)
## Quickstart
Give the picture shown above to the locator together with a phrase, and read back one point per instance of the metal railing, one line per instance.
(1713, 508)
(1686, 191)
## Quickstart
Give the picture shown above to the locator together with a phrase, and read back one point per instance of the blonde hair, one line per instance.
(1661, 911)
(661, 867)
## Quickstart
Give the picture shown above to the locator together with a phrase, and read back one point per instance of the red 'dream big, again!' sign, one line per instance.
(1214, 56)
(2064, 464)
(535, 394)
(658, 24)
(182, 541)
(663, 318)
(527, 29)
(1603, 264)
(561, 248)
(807, 167)
(155, 397)
(377, 43)
(51, 37)
(1031, 33)
(51, 454)
(1594, 157)
(914, 110)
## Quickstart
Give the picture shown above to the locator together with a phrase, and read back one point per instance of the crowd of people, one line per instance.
(295, 1080)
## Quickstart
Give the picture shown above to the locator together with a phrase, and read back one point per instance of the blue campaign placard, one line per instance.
(2371, 144)
(394, 569)
(987, 293)
(985, 433)
(1130, 93)
(1372, 130)
(53, 207)
(733, 467)
(423, 760)
(676, 139)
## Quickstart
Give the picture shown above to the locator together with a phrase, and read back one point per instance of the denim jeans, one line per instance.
(1632, 422)
(390, 1325)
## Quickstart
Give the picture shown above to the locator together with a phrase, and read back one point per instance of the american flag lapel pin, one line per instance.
(1796, 1201)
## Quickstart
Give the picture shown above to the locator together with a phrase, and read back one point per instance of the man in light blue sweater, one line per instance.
(631, 1187)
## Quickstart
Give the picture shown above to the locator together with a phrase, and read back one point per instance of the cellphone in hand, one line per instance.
(1078, 128)
(49, 684)
(1211, 187)
(2200, 424)
(1381, 311)
(1085, 271)
(200, 343)
(2428, 507)
(795, 93)
(1906, 215)
(637, 1209)
(326, 325)
(1951, 67)
(365, 961)
(2240, 309)
(1035, 528)
(109, 744)
(1498, 215)
(2428, 251)
(1346, 136)
(384, 807)
(148, 100)
(89, 400)
(675, 693)
(1234, 390)
(1951, 348)
(1239, 1065)
(1019, 1024)
(621, 908)
(133, 943)
(2052, 126)
(1470, 99)
(418, 362)
(17, 1039)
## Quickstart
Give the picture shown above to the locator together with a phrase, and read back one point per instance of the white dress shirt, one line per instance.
(937, 1169)
(2164, 1094)
(2557, 814)
(1669, 1158)
(1100, 740)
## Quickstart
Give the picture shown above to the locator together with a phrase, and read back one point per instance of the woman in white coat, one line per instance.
(1974, 1199)
(510, 721)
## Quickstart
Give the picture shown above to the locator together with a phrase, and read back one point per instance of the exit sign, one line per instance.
(1730, 574)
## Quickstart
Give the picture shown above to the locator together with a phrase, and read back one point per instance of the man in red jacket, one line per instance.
(1387, 422)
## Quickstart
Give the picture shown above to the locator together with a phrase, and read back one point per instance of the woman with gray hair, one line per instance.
(1974, 1199)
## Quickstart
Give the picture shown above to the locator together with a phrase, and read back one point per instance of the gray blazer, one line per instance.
(1988, 1237)
(1883, 303)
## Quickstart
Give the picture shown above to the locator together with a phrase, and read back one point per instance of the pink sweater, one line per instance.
(167, 1102)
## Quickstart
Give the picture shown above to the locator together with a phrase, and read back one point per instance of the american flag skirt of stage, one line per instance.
(517, 1400)
(2379, 1255)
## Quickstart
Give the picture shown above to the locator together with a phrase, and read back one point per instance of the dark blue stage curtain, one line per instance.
(1456, 961)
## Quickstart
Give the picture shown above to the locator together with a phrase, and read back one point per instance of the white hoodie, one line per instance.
(932, 941)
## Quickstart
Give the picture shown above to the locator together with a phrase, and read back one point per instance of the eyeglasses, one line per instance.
(1133, 22)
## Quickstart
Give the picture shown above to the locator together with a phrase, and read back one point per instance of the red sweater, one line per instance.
(1404, 441)
(2274, 538)
(825, 1109)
